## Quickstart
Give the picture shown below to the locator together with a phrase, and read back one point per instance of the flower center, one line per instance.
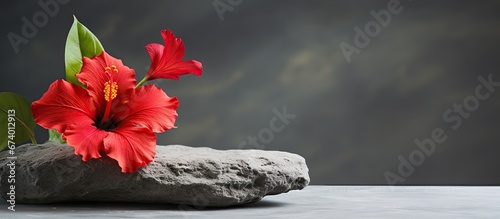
(110, 93)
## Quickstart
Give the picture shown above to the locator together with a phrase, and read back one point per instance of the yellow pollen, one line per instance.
(110, 90)
(110, 87)
(108, 69)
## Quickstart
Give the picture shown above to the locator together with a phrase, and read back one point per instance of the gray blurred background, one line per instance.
(355, 121)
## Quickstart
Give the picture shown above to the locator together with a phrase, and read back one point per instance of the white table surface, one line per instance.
(312, 202)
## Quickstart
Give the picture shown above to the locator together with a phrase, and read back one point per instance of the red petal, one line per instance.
(182, 68)
(86, 139)
(155, 52)
(62, 105)
(149, 107)
(174, 47)
(166, 61)
(94, 77)
(131, 146)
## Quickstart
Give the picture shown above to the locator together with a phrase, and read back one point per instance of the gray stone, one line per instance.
(51, 172)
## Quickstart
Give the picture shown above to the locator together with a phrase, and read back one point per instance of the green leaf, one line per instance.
(56, 136)
(16, 120)
(80, 42)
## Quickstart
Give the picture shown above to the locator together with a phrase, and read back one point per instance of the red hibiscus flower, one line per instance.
(110, 116)
(166, 61)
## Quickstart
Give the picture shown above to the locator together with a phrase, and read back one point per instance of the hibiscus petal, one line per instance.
(182, 68)
(86, 139)
(174, 47)
(131, 146)
(62, 105)
(148, 107)
(166, 61)
(155, 52)
(94, 77)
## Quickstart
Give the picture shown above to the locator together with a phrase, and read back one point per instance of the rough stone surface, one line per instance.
(50, 173)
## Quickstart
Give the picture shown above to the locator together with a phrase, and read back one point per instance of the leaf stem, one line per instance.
(142, 82)
(30, 133)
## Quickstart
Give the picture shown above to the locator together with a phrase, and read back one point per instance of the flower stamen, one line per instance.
(110, 91)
